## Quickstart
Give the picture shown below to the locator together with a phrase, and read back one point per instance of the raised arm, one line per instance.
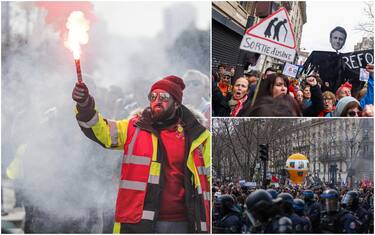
(108, 133)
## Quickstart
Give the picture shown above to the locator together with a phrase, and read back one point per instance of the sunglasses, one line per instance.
(163, 96)
(354, 113)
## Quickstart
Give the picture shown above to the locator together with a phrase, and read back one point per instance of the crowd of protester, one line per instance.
(319, 208)
(274, 94)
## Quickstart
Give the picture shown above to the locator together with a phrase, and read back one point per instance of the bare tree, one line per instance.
(217, 148)
(367, 27)
(239, 135)
(353, 143)
(235, 145)
(354, 140)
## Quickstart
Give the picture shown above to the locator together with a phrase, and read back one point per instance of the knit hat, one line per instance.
(347, 85)
(171, 84)
(227, 73)
(343, 102)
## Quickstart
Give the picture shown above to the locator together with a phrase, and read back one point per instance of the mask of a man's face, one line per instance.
(337, 40)
(162, 105)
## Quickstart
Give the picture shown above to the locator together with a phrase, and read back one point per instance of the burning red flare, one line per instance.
(77, 35)
(78, 26)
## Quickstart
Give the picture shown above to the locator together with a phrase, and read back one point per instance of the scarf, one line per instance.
(327, 113)
(236, 105)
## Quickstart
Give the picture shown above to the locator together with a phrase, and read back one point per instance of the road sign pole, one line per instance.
(259, 81)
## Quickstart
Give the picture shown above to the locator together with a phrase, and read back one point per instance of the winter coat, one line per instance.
(141, 181)
(220, 105)
(369, 97)
(317, 103)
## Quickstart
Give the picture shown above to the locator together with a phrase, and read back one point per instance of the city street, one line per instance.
(312, 164)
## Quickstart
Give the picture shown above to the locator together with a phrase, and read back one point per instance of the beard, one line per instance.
(163, 114)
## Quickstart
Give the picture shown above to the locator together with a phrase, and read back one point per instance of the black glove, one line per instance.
(81, 94)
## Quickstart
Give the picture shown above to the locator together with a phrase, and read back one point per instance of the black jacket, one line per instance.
(220, 107)
(317, 103)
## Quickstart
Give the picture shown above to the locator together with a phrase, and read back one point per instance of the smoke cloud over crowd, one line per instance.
(61, 172)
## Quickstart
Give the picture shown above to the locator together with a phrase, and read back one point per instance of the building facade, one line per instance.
(365, 44)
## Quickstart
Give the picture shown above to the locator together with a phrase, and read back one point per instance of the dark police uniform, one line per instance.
(279, 224)
(364, 219)
(313, 212)
(341, 222)
(230, 223)
(300, 224)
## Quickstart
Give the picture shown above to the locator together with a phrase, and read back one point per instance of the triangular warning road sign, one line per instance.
(274, 36)
(276, 28)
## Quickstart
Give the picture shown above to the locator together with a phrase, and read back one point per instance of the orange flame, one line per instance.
(78, 26)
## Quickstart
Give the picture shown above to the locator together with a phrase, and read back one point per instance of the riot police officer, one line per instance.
(287, 209)
(286, 204)
(369, 201)
(216, 209)
(312, 209)
(351, 202)
(333, 218)
(263, 216)
(230, 216)
(303, 224)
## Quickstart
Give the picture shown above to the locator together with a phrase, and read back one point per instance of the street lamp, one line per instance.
(314, 166)
(263, 151)
(333, 172)
(350, 169)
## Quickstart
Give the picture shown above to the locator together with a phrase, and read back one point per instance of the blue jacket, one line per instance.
(369, 97)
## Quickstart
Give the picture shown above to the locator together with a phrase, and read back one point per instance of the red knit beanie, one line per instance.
(171, 84)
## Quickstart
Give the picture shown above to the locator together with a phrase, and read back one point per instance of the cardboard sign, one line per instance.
(273, 36)
(330, 64)
(250, 184)
(358, 59)
(363, 75)
(290, 70)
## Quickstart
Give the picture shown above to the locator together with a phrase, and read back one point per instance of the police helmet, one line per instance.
(259, 206)
(308, 195)
(285, 225)
(286, 204)
(272, 192)
(298, 205)
(286, 198)
(228, 204)
(330, 199)
(351, 200)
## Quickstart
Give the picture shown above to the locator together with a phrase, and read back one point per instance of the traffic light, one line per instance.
(263, 151)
